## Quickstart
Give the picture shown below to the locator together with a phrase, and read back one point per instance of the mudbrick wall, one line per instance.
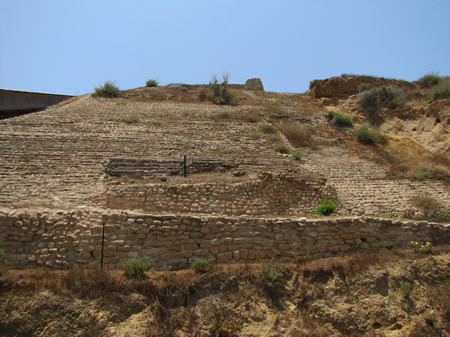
(64, 239)
(269, 195)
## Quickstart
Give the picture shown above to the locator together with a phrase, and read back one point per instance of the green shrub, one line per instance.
(442, 90)
(268, 129)
(313, 83)
(364, 87)
(131, 118)
(392, 97)
(108, 89)
(282, 148)
(221, 93)
(326, 207)
(201, 265)
(429, 80)
(151, 83)
(370, 135)
(340, 119)
(297, 155)
(271, 275)
(373, 100)
(135, 268)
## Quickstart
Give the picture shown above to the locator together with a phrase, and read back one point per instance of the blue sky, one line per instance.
(71, 46)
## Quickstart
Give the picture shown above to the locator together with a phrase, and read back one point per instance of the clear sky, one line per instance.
(71, 46)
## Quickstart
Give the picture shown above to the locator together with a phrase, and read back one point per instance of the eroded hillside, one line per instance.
(396, 293)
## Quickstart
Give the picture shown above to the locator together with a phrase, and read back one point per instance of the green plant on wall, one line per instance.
(326, 207)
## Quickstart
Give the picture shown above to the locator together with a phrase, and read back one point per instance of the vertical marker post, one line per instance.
(185, 168)
(103, 243)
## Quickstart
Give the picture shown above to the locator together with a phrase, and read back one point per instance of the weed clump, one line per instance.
(151, 83)
(281, 148)
(313, 83)
(298, 135)
(268, 129)
(430, 207)
(365, 87)
(442, 90)
(373, 100)
(222, 96)
(370, 135)
(135, 268)
(130, 118)
(108, 89)
(271, 275)
(429, 80)
(326, 207)
(201, 265)
(297, 155)
(340, 119)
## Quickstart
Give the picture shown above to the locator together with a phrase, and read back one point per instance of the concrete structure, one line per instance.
(14, 103)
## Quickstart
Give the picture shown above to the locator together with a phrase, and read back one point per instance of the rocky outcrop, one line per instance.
(348, 85)
(254, 84)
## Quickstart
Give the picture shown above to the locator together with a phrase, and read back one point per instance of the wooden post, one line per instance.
(103, 244)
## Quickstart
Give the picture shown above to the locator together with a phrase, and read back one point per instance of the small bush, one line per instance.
(430, 206)
(109, 89)
(131, 118)
(201, 265)
(313, 83)
(268, 129)
(220, 116)
(370, 135)
(373, 100)
(298, 135)
(283, 149)
(340, 119)
(429, 80)
(392, 97)
(151, 83)
(297, 155)
(442, 90)
(221, 93)
(271, 275)
(364, 87)
(135, 268)
(405, 288)
(326, 207)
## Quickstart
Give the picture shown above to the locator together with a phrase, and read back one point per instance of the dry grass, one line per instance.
(431, 208)
(297, 134)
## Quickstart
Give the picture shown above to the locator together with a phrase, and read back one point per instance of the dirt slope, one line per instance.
(380, 294)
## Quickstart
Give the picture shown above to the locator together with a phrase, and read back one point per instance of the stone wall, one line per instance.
(269, 195)
(63, 239)
(145, 168)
